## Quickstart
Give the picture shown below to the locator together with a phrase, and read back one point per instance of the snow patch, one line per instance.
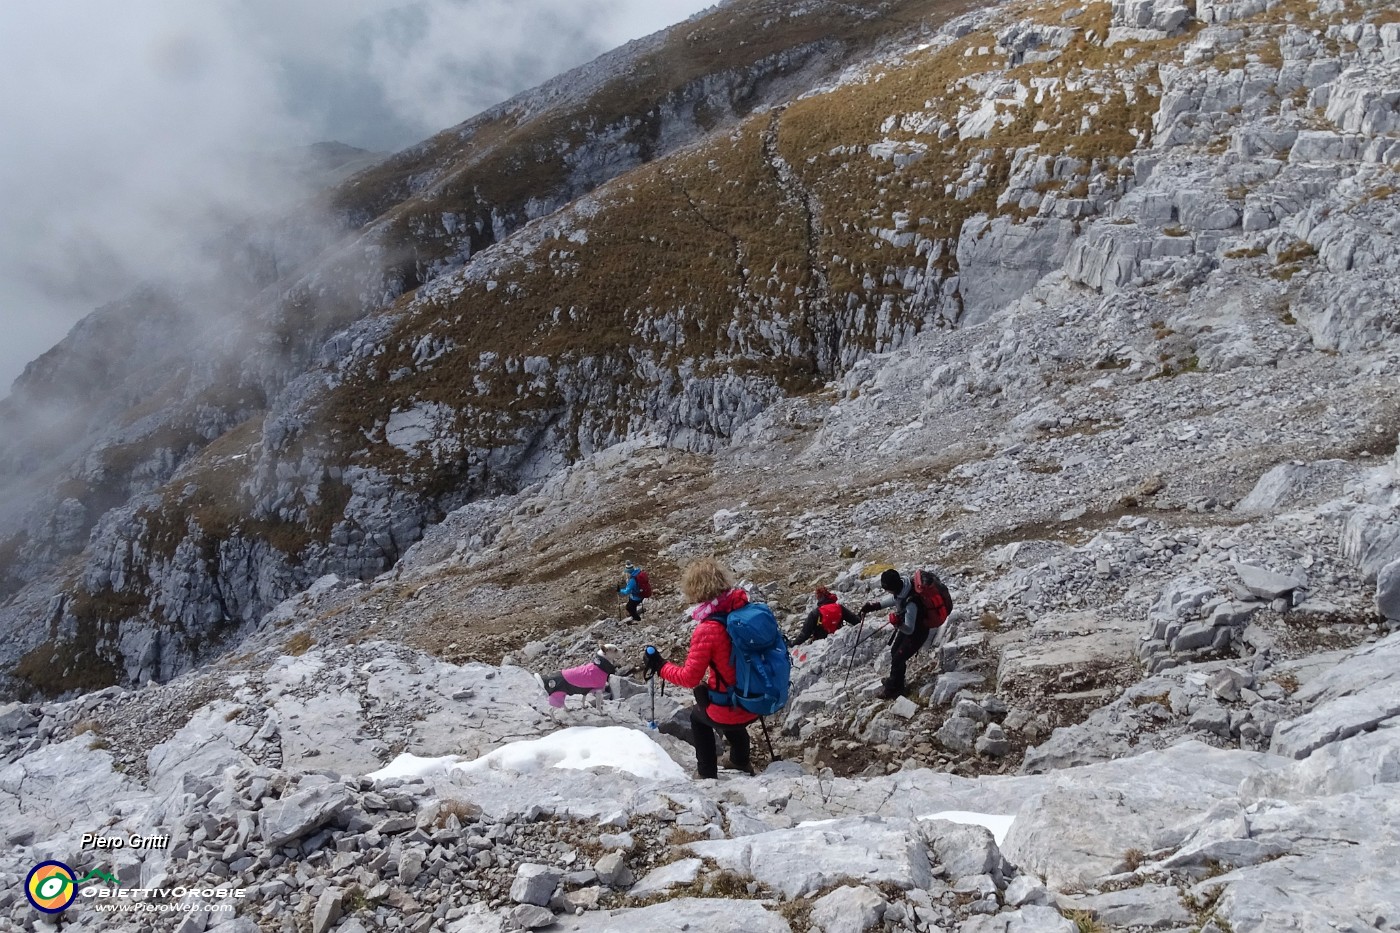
(999, 825)
(580, 748)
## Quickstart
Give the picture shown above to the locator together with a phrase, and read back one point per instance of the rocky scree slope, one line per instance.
(265, 779)
(182, 380)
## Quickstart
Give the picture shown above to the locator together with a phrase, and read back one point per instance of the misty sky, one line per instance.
(125, 127)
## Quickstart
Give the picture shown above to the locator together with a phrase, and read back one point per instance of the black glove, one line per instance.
(870, 607)
(652, 660)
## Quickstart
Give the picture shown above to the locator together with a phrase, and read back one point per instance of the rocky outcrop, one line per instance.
(476, 847)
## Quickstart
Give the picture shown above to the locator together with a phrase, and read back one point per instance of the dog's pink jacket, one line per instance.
(586, 677)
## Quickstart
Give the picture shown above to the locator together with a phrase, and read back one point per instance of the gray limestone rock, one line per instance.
(613, 871)
(964, 851)
(968, 709)
(289, 819)
(1267, 584)
(679, 872)
(1211, 718)
(15, 717)
(1388, 591)
(1150, 907)
(806, 859)
(683, 915)
(529, 917)
(1195, 635)
(904, 708)
(1026, 890)
(848, 909)
(1334, 720)
(993, 742)
(328, 910)
(999, 260)
(958, 734)
(1025, 920)
(534, 884)
(1077, 831)
(950, 685)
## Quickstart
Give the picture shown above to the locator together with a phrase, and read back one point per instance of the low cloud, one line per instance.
(130, 128)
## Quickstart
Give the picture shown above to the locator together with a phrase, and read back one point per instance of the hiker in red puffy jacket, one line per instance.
(708, 665)
(826, 618)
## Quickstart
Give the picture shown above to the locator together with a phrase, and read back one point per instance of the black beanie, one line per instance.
(892, 582)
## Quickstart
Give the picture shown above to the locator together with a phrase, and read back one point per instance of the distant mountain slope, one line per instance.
(87, 429)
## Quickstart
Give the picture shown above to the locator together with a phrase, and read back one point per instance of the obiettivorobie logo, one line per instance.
(52, 886)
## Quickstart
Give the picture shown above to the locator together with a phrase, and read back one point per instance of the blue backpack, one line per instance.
(761, 663)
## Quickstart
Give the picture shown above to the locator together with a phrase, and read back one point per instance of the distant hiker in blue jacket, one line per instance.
(636, 588)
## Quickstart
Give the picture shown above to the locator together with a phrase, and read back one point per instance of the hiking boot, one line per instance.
(746, 767)
(890, 692)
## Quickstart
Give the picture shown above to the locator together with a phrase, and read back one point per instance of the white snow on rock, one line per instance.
(577, 748)
(999, 824)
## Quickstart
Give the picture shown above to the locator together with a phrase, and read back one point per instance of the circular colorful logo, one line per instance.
(51, 887)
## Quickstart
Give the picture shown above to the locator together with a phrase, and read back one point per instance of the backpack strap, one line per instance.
(719, 678)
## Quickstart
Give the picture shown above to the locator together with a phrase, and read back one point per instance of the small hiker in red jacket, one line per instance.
(708, 665)
(826, 618)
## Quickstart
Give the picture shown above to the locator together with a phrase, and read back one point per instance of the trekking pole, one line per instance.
(852, 662)
(651, 682)
(763, 721)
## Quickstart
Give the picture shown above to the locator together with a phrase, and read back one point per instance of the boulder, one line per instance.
(1150, 907)
(534, 884)
(1211, 718)
(1388, 591)
(848, 909)
(1076, 830)
(328, 910)
(684, 915)
(1335, 720)
(613, 871)
(283, 821)
(1267, 584)
(958, 735)
(529, 917)
(1164, 16)
(993, 742)
(1027, 890)
(805, 859)
(950, 685)
(1025, 920)
(904, 708)
(684, 871)
(964, 850)
(15, 717)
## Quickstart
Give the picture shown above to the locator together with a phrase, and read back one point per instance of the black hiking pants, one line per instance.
(703, 736)
(634, 609)
(902, 648)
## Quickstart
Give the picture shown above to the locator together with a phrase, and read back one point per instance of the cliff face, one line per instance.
(666, 243)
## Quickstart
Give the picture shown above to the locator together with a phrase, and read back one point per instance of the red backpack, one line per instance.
(830, 614)
(933, 596)
(643, 584)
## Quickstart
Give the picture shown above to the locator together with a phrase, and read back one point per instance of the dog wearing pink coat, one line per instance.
(587, 680)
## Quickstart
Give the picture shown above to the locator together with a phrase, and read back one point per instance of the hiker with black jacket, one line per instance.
(826, 618)
(910, 625)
